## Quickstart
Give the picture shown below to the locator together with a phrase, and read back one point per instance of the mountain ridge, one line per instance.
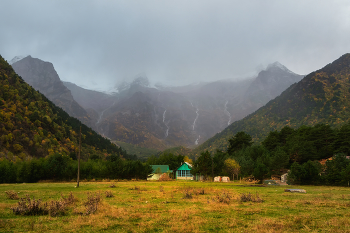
(320, 97)
(43, 77)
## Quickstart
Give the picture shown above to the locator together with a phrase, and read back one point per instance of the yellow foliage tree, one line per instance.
(232, 167)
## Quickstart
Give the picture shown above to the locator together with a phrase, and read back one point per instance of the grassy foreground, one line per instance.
(142, 206)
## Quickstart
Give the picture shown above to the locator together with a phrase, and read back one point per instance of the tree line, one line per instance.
(312, 155)
(58, 167)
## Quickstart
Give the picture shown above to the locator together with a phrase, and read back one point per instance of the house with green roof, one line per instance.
(158, 170)
(184, 172)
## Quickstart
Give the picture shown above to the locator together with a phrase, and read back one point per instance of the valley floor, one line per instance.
(179, 206)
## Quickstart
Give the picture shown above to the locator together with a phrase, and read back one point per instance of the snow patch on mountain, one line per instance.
(16, 59)
(278, 66)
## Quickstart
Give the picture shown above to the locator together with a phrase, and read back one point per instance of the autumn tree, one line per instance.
(232, 167)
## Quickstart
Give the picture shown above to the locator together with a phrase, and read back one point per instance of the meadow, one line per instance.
(180, 206)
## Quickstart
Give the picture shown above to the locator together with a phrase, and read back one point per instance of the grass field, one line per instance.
(176, 206)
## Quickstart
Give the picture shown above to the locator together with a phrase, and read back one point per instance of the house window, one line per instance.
(184, 173)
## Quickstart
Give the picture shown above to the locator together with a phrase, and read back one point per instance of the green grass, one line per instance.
(142, 206)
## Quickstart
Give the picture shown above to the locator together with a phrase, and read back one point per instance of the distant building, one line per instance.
(184, 172)
(158, 170)
(284, 178)
(225, 179)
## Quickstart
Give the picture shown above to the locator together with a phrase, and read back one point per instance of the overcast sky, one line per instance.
(96, 43)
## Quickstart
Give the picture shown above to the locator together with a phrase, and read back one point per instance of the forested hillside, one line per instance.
(32, 126)
(320, 97)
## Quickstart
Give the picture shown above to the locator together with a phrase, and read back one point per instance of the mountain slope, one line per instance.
(174, 116)
(32, 126)
(320, 97)
(44, 78)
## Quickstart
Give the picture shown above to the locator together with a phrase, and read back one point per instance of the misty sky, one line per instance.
(96, 43)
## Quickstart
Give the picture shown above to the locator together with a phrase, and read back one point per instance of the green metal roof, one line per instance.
(163, 168)
(185, 166)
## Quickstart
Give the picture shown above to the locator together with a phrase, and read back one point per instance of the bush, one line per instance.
(164, 177)
(70, 199)
(199, 191)
(56, 208)
(12, 195)
(224, 197)
(109, 194)
(187, 193)
(28, 206)
(246, 197)
(92, 203)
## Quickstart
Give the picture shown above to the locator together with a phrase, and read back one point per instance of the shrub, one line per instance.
(56, 208)
(224, 197)
(164, 177)
(28, 206)
(12, 195)
(246, 197)
(187, 193)
(70, 199)
(91, 205)
(109, 194)
(201, 191)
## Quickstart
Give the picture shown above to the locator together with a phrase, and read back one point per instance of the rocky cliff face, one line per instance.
(43, 77)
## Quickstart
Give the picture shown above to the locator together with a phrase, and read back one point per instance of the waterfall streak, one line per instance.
(100, 118)
(194, 123)
(197, 140)
(227, 113)
(166, 124)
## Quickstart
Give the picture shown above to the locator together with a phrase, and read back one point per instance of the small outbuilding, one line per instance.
(284, 178)
(225, 179)
(184, 172)
(158, 170)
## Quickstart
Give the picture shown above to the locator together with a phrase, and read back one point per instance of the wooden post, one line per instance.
(79, 157)
(212, 168)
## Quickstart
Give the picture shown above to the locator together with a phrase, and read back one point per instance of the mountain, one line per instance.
(43, 77)
(16, 59)
(32, 126)
(320, 97)
(269, 84)
(165, 117)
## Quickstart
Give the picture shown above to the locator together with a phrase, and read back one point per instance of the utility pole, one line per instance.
(212, 168)
(79, 157)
